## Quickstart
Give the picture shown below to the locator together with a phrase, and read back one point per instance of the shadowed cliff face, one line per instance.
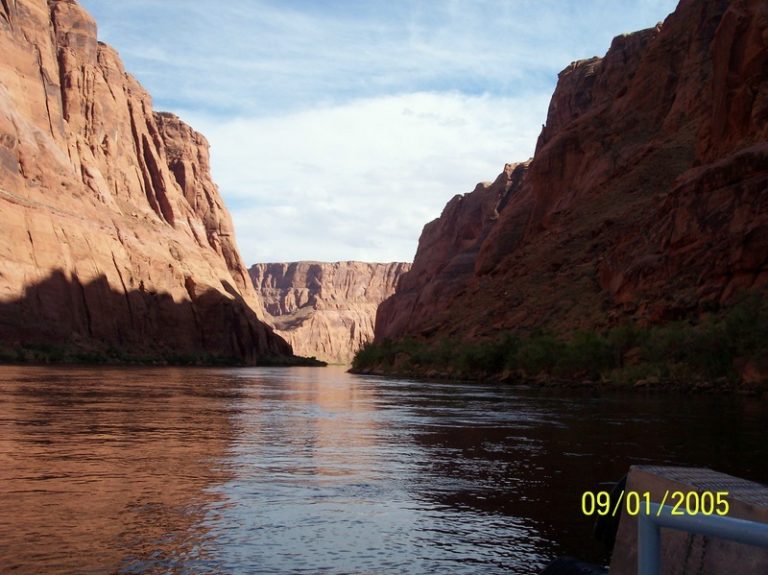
(97, 185)
(647, 196)
(325, 310)
(67, 318)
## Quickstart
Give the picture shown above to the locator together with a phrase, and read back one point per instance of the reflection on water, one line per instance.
(107, 470)
(317, 471)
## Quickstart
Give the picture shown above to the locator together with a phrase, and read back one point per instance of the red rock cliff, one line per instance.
(647, 195)
(113, 233)
(325, 310)
(447, 253)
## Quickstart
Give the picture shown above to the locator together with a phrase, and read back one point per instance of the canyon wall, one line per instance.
(646, 199)
(447, 253)
(114, 235)
(325, 310)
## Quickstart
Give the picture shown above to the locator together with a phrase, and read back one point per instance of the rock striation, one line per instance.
(114, 234)
(646, 199)
(447, 254)
(325, 310)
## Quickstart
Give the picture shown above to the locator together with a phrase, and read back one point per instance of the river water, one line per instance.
(196, 471)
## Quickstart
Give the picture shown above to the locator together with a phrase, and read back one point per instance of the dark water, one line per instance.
(316, 471)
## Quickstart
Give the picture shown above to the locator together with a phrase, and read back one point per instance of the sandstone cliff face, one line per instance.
(647, 196)
(447, 253)
(113, 233)
(325, 310)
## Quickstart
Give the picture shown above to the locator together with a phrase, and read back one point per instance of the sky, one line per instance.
(339, 128)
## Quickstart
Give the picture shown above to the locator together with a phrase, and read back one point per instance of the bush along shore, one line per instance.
(727, 350)
(47, 354)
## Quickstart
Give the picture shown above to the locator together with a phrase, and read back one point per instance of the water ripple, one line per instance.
(198, 471)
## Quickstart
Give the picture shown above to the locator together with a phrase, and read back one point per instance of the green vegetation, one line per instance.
(713, 348)
(44, 353)
(290, 361)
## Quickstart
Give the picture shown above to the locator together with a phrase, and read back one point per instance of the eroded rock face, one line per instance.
(325, 310)
(647, 196)
(113, 233)
(446, 257)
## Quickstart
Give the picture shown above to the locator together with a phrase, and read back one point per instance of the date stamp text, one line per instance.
(639, 503)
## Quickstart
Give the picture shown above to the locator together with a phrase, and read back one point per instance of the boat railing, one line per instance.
(650, 525)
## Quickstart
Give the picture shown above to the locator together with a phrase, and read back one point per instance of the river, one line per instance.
(302, 470)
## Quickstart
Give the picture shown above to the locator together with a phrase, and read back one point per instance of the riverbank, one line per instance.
(725, 350)
(544, 382)
(45, 354)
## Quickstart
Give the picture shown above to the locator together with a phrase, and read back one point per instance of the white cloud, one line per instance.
(359, 180)
(263, 57)
(339, 128)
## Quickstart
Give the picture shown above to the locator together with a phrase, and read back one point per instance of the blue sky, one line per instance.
(339, 128)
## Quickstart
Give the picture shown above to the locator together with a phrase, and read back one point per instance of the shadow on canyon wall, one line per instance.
(62, 319)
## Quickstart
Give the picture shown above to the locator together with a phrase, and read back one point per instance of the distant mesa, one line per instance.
(325, 310)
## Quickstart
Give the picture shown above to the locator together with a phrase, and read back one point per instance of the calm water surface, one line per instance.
(316, 471)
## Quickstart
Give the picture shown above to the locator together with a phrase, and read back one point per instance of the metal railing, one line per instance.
(649, 533)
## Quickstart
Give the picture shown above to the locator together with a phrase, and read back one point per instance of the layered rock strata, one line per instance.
(647, 197)
(325, 310)
(114, 234)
